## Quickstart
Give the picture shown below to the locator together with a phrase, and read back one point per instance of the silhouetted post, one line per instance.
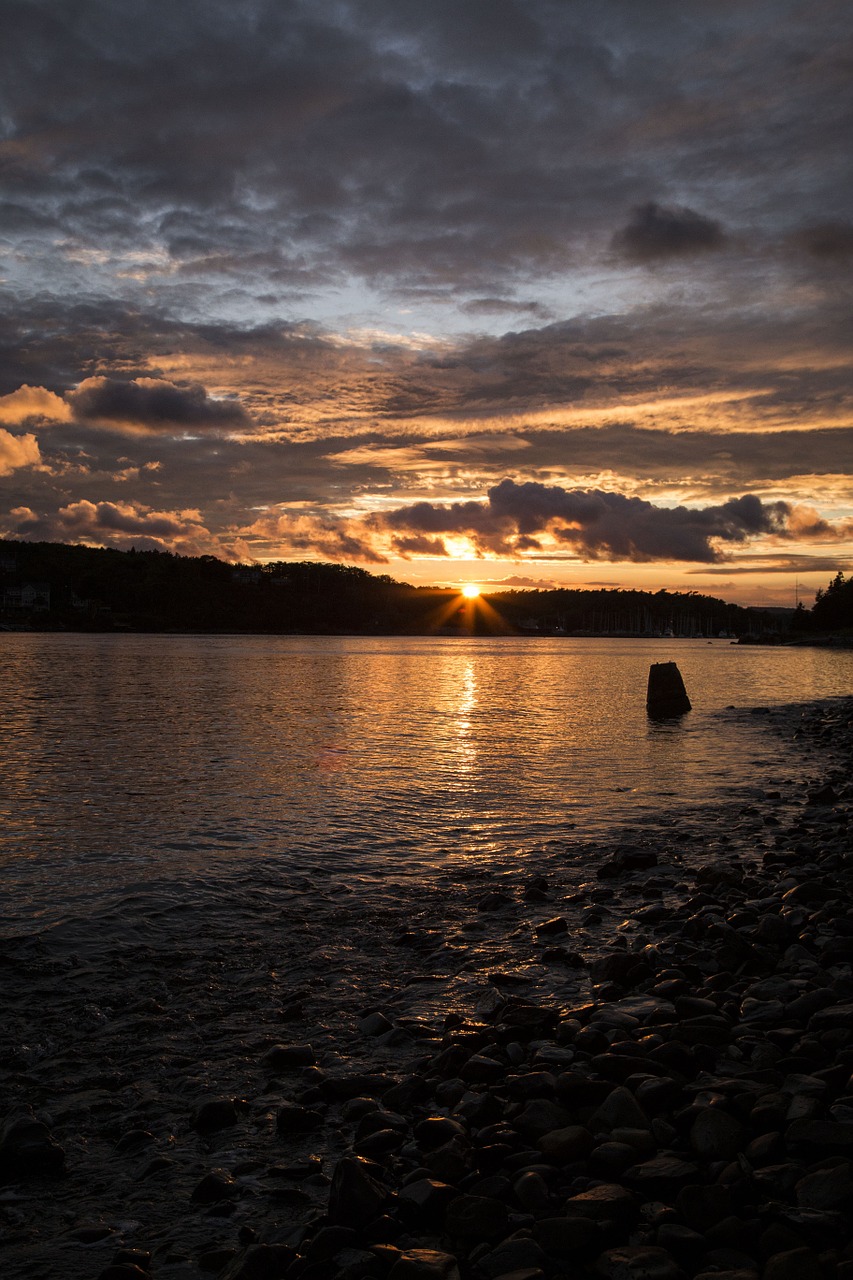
(667, 695)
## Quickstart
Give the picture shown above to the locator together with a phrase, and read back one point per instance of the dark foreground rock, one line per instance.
(681, 1107)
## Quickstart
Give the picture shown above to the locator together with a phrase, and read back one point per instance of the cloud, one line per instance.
(121, 525)
(597, 525)
(153, 404)
(17, 451)
(32, 402)
(657, 232)
(832, 241)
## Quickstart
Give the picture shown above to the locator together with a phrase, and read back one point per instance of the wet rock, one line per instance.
(424, 1264)
(702, 1206)
(27, 1149)
(286, 1057)
(218, 1113)
(820, 1134)
(425, 1200)
(550, 928)
(374, 1024)
(291, 1118)
(540, 1117)
(356, 1194)
(531, 1192)
(637, 1262)
(260, 1262)
(215, 1186)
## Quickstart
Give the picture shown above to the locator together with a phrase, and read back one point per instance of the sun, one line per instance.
(470, 591)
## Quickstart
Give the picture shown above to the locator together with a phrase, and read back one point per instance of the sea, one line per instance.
(129, 762)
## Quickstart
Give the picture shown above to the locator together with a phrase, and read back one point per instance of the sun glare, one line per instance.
(470, 591)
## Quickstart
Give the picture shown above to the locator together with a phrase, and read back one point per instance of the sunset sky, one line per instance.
(521, 292)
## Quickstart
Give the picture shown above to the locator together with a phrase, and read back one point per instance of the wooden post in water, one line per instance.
(666, 695)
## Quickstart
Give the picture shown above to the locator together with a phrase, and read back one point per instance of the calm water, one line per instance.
(129, 760)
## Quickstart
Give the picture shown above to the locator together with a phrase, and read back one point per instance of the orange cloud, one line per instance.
(33, 402)
(17, 451)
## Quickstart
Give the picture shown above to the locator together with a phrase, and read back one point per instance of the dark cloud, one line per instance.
(827, 240)
(599, 525)
(153, 404)
(657, 232)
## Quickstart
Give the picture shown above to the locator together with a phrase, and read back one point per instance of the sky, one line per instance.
(517, 292)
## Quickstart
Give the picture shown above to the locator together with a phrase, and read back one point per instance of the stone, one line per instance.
(216, 1114)
(666, 695)
(284, 1057)
(356, 1194)
(260, 1262)
(662, 1176)
(825, 1189)
(564, 1146)
(565, 1237)
(27, 1149)
(701, 1206)
(515, 1254)
(637, 1262)
(424, 1264)
(715, 1135)
(215, 1186)
(471, 1219)
(425, 1199)
(374, 1024)
(531, 1192)
(619, 1109)
(539, 1117)
(292, 1118)
(549, 928)
(609, 1202)
(796, 1264)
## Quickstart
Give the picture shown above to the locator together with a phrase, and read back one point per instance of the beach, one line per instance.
(621, 1058)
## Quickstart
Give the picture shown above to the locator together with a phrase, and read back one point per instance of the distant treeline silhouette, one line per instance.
(55, 586)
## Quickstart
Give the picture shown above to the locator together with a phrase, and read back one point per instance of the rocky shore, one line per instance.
(632, 1061)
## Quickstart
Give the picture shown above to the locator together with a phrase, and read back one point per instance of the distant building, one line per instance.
(31, 597)
(245, 574)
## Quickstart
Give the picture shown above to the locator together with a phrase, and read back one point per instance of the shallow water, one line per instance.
(134, 761)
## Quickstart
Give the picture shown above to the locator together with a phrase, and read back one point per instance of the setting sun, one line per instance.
(470, 591)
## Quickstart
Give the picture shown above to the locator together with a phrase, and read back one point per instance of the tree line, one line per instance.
(102, 589)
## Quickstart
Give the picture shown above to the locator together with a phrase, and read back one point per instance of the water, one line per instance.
(132, 761)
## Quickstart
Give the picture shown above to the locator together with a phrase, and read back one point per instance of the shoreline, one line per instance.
(202, 1081)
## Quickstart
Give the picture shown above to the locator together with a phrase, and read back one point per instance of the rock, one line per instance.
(620, 1110)
(216, 1114)
(797, 1264)
(27, 1149)
(539, 1117)
(821, 1134)
(637, 1262)
(425, 1199)
(424, 1264)
(662, 1176)
(292, 1118)
(215, 1186)
(666, 695)
(284, 1057)
(548, 928)
(531, 1192)
(471, 1218)
(701, 1206)
(825, 1188)
(514, 1254)
(436, 1130)
(715, 1135)
(564, 1146)
(356, 1194)
(374, 1024)
(609, 1202)
(260, 1262)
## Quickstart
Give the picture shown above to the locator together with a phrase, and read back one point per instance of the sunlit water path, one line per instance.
(135, 760)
